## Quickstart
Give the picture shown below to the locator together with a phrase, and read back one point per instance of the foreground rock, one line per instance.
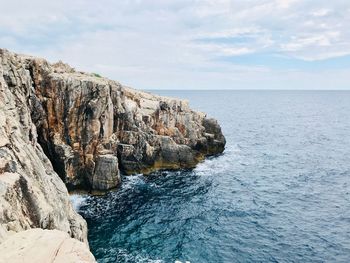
(91, 127)
(32, 195)
(44, 246)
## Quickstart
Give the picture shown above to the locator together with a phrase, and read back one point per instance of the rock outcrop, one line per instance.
(44, 246)
(91, 127)
(59, 126)
(32, 195)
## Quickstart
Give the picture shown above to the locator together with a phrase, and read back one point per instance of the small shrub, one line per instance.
(97, 75)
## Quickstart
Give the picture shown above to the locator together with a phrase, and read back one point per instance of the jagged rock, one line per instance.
(44, 246)
(106, 172)
(83, 120)
(31, 193)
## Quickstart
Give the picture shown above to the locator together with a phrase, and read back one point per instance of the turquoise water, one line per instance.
(279, 193)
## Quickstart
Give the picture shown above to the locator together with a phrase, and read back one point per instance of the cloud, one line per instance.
(184, 43)
(300, 43)
(286, 3)
(225, 50)
(321, 12)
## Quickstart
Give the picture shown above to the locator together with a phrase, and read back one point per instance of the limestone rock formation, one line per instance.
(60, 126)
(91, 127)
(44, 246)
(32, 195)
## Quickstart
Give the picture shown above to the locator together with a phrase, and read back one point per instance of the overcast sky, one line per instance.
(184, 44)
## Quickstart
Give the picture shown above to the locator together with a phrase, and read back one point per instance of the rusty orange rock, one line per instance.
(82, 119)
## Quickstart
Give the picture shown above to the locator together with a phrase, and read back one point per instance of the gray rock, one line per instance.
(106, 175)
(37, 245)
(61, 126)
(31, 194)
(80, 117)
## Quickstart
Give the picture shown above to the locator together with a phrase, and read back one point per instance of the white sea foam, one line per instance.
(220, 164)
(77, 201)
(132, 180)
(123, 255)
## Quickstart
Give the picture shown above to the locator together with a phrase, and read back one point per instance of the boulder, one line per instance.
(106, 174)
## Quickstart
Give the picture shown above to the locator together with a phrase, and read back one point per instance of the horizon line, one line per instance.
(244, 89)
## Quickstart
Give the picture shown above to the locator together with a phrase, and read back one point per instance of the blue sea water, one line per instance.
(279, 193)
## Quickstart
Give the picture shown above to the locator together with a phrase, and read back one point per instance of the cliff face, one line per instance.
(31, 194)
(61, 126)
(91, 127)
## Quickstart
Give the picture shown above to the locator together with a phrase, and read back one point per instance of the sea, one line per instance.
(279, 193)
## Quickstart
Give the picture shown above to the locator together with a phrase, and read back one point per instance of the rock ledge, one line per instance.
(44, 246)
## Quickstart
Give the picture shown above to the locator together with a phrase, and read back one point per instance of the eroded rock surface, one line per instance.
(91, 127)
(60, 126)
(32, 195)
(44, 246)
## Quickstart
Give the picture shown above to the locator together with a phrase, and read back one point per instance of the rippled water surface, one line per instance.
(279, 193)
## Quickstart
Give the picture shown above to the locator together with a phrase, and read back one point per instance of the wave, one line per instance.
(77, 201)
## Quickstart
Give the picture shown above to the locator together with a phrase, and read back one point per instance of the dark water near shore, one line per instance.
(279, 193)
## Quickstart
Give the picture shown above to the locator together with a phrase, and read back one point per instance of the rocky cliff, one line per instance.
(31, 193)
(58, 125)
(91, 127)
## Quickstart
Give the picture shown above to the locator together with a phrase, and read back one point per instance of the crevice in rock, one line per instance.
(31, 73)
(65, 116)
(27, 197)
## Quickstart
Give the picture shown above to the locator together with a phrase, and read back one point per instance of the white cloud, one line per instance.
(300, 43)
(156, 43)
(286, 3)
(234, 32)
(321, 12)
(232, 51)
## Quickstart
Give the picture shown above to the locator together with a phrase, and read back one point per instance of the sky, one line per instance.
(185, 44)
